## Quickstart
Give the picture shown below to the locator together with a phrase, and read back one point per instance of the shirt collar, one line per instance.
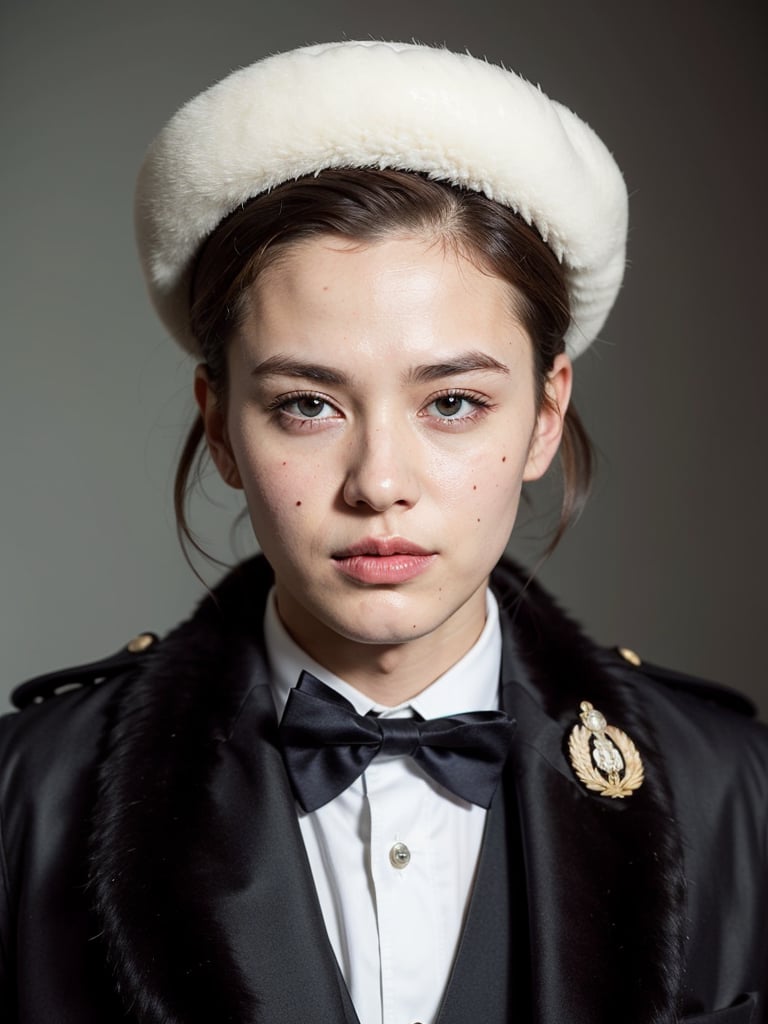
(472, 684)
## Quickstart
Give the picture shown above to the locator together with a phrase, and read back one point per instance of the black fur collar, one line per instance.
(178, 862)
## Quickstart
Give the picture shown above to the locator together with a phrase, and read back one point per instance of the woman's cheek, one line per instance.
(497, 491)
(488, 478)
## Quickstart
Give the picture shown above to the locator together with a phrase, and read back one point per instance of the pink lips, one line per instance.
(383, 560)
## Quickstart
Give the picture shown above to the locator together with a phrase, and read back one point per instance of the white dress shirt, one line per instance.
(393, 857)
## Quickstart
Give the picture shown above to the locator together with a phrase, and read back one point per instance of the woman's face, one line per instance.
(381, 419)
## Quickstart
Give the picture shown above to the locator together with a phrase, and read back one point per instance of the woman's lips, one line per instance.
(383, 560)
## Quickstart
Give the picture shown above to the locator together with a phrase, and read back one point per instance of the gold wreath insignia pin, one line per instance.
(604, 758)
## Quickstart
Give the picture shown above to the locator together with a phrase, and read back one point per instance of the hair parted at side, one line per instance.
(366, 205)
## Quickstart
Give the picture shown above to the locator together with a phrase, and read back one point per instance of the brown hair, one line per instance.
(366, 205)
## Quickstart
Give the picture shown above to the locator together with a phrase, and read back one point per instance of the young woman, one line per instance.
(378, 776)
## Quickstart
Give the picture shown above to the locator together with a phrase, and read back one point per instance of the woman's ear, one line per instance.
(215, 425)
(548, 430)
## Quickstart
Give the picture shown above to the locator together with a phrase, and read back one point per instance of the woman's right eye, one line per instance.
(309, 406)
(304, 407)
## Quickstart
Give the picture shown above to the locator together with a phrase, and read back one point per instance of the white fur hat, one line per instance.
(383, 105)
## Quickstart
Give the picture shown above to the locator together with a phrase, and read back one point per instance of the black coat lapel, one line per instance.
(604, 876)
(198, 868)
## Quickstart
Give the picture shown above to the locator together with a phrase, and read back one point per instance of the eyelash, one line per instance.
(280, 406)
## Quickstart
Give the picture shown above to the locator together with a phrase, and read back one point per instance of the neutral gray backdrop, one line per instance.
(669, 557)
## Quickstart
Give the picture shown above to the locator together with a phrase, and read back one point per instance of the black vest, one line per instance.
(490, 973)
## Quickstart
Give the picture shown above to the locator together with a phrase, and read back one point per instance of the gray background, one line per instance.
(669, 557)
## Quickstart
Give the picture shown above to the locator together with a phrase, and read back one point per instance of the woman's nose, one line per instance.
(381, 472)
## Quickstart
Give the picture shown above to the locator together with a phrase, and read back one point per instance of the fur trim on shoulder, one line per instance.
(170, 961)
(565, 668)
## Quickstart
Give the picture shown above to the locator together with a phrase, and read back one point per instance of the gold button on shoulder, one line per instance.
(399, 856)
(140, 643)
(631, 656)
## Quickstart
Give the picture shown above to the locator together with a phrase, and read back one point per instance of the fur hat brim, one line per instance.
(383, 105)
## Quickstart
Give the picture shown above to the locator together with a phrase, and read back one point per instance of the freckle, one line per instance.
(478, 520)
(298, 503)
(474, 487)
(285, 463)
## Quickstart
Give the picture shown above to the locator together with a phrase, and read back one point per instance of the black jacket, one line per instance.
(153, 870)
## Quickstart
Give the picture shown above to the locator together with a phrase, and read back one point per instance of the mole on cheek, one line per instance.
(504, 459)
(474, 487)
(297, 504)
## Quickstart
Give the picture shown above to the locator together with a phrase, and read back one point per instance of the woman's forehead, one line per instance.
(386, 317)
(337, 271)
(399, 293)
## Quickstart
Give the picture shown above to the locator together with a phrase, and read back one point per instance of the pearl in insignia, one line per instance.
(595, 721)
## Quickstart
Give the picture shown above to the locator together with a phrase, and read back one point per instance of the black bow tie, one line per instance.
(327, 745)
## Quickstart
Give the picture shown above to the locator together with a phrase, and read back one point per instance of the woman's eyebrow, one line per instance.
(283, 366)
(464, 363)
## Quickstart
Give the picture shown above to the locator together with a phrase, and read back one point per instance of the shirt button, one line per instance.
(399, 856)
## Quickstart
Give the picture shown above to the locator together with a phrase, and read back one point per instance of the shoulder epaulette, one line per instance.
(41, 688)
(702, 688)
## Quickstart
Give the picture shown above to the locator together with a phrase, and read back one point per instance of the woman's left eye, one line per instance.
(455, 405)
